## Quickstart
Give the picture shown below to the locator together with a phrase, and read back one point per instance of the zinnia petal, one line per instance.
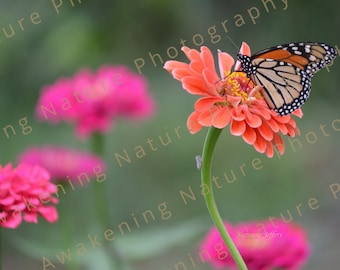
(225, 62)
(192, 123)
(283, 128)
(298, 113)
(279, 144)
(249, 136)
(206, 103)
(273, 125)
(210, 81)
(208, 61)
(237, 128)
(195, 86)
(180, 73)
(197, 68)
(293, 131)
(255, 121)
(173, 65)
(191, 54)
(260, 144)
(28, 185)
(238, 114)
(270, 150)
(222, 118)
(206, 118)
(265, 132)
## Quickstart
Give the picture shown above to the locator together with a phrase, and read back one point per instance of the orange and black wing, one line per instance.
(307, 56)
(285, 72)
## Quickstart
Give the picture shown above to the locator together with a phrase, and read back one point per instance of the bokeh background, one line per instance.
(90, 34)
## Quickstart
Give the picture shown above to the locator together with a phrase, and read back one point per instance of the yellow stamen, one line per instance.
(239, 85)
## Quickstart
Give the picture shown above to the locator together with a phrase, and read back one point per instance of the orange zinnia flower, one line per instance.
(230, 98)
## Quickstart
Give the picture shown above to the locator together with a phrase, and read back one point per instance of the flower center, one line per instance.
(237, 84)
(253, 241)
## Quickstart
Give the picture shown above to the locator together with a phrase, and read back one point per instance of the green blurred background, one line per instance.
(90, 34)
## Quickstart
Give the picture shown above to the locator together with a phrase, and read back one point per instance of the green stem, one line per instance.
(68, 239)
(208, 150)
(100, 200)
(99, 189)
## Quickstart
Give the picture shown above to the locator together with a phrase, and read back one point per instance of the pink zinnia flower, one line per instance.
(279, 246)
(93, 101)
(24, 193)
(62, 162)
(230, 98)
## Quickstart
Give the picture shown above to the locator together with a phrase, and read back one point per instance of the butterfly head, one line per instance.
(246, 65)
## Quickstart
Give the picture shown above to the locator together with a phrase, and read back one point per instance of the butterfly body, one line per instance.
(285, 72)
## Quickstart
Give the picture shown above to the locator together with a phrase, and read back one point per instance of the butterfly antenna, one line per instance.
(232, 42)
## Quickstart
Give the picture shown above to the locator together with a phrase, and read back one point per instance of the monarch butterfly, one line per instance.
(285, 72)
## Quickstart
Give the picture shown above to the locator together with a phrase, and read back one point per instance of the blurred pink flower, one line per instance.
(24, 191)
(93, 101)
(278, 245)
(62, 162)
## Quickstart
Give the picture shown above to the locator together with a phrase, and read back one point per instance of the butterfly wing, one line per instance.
(308, 56)
(285, 87)
(285, 72)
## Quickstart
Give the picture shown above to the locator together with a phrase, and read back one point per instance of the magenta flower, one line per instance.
(62, 162)
(93, 101)
(263, 246)
(25, 192)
